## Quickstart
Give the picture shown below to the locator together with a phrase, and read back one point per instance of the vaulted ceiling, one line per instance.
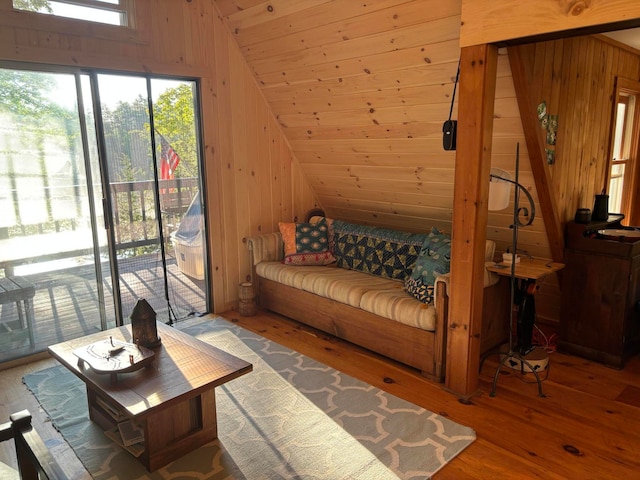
(360, 91)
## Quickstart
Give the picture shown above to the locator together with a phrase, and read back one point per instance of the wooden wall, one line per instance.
(252, 178)
(360, 91)
(337, 104)
(507, 134)
(576, 78)
(532, 240)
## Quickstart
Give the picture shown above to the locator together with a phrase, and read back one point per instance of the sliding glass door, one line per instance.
(151, 146)
(100, 194)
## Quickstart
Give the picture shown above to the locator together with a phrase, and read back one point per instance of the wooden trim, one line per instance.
(617, 44)
(24, 360)
(478, 68)
(54, 24)
(103, 62)
(488, 21)
(632, 178)
(633, 202)
(537, 156)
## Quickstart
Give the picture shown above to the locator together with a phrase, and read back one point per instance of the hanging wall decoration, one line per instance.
(552, 130)
(549, 124)
(551, 156)
(543, 118)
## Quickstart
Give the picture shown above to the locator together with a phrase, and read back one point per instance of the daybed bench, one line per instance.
(362, 296)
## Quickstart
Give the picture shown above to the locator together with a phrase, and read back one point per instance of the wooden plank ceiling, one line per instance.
(361, 91)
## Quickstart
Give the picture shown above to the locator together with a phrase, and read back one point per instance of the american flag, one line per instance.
(169, 159)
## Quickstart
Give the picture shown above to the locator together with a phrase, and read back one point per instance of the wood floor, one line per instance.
(587, 427)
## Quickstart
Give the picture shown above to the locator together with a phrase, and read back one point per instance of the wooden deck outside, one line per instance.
(66, 303)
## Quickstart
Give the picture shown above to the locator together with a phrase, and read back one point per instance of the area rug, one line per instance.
(291, 418)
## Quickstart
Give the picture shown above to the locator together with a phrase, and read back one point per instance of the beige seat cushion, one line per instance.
(344, 286)
(395, 303)
(381, 296)
(285, 274)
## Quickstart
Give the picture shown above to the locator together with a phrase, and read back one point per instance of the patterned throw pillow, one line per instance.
(305, 238)
(434, 260)
(376, 251)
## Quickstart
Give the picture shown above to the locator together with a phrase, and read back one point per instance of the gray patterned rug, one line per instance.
(292, 417)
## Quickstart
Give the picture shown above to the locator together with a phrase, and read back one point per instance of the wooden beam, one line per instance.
(488, 21)
(478, 66)
(537, 156)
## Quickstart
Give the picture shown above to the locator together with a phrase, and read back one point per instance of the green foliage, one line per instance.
(25, 93)
(128, 145)
(33, 5)
(174, 118)
(30, 100)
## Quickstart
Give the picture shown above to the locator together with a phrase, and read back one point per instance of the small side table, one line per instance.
(528, 272)
(527, 268)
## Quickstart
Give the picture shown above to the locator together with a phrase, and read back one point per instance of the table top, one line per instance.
(14, 289)
(183, 368)
(527, 268)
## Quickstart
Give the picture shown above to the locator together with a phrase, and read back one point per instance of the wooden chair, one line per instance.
(35, 461)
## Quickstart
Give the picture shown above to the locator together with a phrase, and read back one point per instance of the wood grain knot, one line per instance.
(572, 450)
(576, 7)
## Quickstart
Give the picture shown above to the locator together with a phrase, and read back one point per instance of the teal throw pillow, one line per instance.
(433, 260)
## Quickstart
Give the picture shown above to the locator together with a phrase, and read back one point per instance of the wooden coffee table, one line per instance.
(172, 399)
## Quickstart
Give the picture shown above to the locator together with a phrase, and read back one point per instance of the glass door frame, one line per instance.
(92, 74)
(105, 177)
(107, 211)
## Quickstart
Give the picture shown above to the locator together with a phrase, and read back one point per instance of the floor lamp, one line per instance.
(525, 317)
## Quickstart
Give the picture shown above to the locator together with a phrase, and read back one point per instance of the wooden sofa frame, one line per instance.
(421, 349)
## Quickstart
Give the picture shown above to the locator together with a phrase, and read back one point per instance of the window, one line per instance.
(620, 157)
(111, 12)
(624, 168)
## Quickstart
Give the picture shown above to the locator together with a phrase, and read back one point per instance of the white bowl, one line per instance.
(621, 234)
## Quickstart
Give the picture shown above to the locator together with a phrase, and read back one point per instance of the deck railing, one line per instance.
(134, 207)
(134, 224)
